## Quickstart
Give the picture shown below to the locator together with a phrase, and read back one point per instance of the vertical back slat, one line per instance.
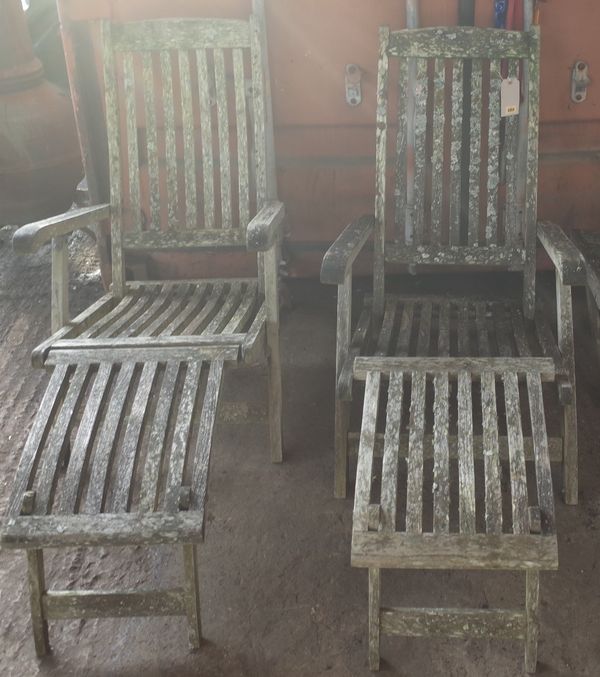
(258, 95)
(132, 140)
(493, 171)
(400, 188)
(420, 126)
(242, 137)
(466, 465)
(208, 179)
(151, 139)
(456, 151)
(223, 126)
(189, 140)
(475, 151)
(437, 158)
(511, 140)
(170, 139)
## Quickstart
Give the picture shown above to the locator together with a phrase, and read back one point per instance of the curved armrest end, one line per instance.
(341, 255)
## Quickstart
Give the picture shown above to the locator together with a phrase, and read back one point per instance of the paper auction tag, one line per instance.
(510, 97)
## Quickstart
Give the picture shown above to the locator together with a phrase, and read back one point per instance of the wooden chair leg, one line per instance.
(192, 594)
(374, 617)
(342, 423)
(275, 395)
(570, 460)
(37, 588)
(532, 600)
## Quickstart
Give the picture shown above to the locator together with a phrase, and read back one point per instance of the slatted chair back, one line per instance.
(436, 218)
(186, 122)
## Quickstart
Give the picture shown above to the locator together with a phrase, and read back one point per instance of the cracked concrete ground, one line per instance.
(279, 596)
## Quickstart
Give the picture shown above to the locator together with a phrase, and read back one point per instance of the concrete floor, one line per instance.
(279, 595)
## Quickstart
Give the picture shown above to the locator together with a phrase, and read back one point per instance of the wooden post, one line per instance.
(342, 409)
(192, 594)
(532, 601)
(275, 390)
(37, 588)
(374, 617)
(60, 283)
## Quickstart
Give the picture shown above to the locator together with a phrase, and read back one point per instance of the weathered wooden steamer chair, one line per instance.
(119, 451)
(455, 381)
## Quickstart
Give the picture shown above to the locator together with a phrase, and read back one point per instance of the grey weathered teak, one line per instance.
(119, 451)
(461, 348)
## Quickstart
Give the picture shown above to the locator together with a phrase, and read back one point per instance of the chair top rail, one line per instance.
(462, 43)
(164, 34)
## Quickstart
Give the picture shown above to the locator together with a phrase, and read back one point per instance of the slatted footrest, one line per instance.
(466, 510)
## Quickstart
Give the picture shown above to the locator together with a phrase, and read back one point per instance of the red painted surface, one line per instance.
(325, 148)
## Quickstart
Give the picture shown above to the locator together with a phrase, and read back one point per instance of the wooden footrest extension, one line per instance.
(421, 505)
(118, 454)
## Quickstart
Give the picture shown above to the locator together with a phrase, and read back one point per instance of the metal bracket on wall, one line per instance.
(353, 84)
(580, 81)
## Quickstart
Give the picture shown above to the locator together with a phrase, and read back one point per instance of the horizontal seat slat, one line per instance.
(510, 258)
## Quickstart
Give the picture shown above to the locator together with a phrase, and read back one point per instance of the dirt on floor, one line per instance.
(279, 596)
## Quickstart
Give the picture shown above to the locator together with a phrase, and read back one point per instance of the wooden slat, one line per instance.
(209, 346)
(132, 139)
(151, 139)
(441, 455)
(518, 477)
(511, 140)
(389, 473)
(199, 322)
(189, 140)
(414, 490)
(258, 95)
(208, 180)
(462, 329)
(161, 302)
(122, 306)
(127, 319)
(475, 151)
(131, 440)
(543, 472)
(364, 470)
(223, 128)
(510, 258)
(97, 487)
(493, 171)
(519, 331)
(204, 442)
(181, 34)
(405, 331)
(420, 150)
(166, 68)
(474, 365)
(424, 336)
(37, 435)
(456, 152)
(50, 461)
(172, 311)
(151, 474)
(454, 623)
(454, 551)
(483, 336)
(195, 303)
(242, 137)
(219, 321)
(443, 349)
(400, 187)
(387, 326)
(466, 465)
(72, 485)
(493, 487)
(65, 604)
(183, 425)
(243, 312)
(437, 157)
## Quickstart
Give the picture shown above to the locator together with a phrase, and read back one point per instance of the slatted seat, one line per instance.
(119, 451)
(455, 188)
(441, 506)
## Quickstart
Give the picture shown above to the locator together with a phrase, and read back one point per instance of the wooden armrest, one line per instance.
(31, 237)
(342, 253)
(263, 230)
(565, 256)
